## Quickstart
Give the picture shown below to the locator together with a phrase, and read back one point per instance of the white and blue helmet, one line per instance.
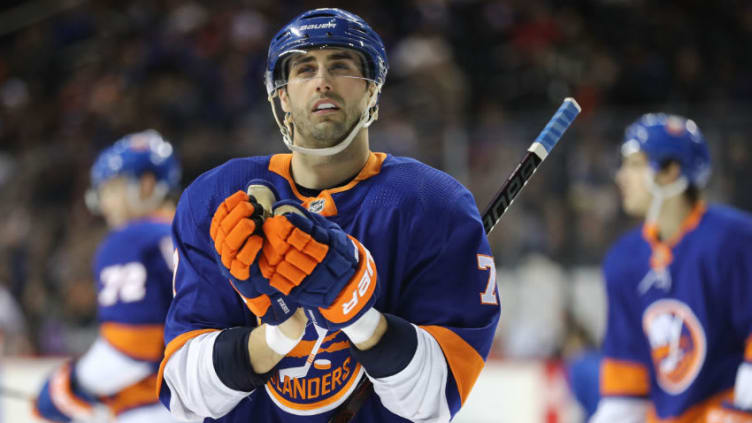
(322, 28)
(132, 156)
(664, 137)
(136, 154)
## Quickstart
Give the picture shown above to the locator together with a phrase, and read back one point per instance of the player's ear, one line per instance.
(284, 100)
(147, 183)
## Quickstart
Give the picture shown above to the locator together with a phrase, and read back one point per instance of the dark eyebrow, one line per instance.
(338, 55)
(298, 61)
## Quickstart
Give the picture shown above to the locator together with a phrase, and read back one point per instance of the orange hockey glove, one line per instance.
(316, 264)
(235, 230)
(238, 239)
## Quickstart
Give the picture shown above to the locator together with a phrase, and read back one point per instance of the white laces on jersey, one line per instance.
(659, 278)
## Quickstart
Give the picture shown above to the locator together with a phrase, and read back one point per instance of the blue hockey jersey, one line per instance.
(133, 273)
(134, 289)
(679, 314)
(434, 265)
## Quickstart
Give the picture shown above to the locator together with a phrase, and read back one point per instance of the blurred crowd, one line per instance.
(470, 85)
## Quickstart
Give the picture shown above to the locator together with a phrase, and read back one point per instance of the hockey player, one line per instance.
(375, 291)
(678, 345)
(130, 183)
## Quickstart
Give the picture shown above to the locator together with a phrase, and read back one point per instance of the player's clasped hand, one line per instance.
(238, 239)
(316, 264)
(233, 230)
(272, 309)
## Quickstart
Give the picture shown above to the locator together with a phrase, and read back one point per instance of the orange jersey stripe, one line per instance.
(662, 255)
(697, 413)
(464, 362)
(138, 394)
(280, 164)
(624, 378)
(650, 232)
(143, 342)
(748, 349)
(175, 345)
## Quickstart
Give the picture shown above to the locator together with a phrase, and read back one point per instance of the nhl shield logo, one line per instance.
(317, 206)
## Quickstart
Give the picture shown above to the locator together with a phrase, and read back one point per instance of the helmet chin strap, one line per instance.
(661, 193)
(369, 115)
(659, 276)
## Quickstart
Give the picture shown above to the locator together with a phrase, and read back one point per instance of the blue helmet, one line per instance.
(135, 154)
(321, 28)
(665, 137)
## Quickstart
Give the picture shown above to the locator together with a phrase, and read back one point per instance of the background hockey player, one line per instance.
(677, 346)
(381, 275)
(131, 183)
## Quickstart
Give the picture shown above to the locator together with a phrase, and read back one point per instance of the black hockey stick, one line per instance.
(536, 153)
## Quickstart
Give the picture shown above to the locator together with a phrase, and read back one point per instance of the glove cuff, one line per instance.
(363, 328)
(358, 293)
(278, 341)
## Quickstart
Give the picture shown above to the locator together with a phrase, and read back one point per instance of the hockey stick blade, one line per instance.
(536, 153)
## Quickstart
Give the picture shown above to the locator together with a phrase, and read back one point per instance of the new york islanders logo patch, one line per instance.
(317, 375)
(677, 342)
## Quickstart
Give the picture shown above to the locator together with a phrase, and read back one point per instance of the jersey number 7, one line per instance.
(489, 295)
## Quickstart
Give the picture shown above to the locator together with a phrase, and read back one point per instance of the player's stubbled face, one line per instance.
(325, 95)
(632, 181)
